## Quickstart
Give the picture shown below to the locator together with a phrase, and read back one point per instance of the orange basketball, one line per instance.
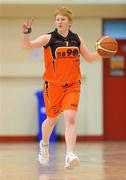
(106, 46)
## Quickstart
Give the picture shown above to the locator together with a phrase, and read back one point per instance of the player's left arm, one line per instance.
(86, 54)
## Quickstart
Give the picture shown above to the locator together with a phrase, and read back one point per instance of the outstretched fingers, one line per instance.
(27, 25)
(29, 21)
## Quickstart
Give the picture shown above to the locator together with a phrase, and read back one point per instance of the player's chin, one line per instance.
(60, 28)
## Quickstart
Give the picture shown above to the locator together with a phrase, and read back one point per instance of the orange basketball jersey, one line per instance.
(62, 58)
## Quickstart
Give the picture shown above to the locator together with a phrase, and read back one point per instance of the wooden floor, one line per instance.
(99, 161)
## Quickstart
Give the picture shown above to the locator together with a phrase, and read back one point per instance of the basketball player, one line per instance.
(62, 50)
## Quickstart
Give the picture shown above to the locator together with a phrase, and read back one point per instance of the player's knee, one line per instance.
(71, 119)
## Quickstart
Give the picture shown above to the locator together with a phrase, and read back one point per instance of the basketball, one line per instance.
(106, 46)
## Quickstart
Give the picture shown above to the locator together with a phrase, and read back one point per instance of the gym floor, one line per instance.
(99, 161)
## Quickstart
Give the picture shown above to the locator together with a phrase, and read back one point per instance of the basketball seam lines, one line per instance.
(103, 38)
(98, 46)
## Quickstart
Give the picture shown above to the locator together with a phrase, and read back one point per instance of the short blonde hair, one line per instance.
(64, 12)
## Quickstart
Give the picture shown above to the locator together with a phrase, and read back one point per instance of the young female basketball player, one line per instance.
(62, 50)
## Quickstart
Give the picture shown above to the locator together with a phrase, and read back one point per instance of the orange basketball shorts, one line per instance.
(60, 97)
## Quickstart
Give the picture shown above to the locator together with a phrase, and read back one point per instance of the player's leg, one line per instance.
(52, 95)
(70, 106)
(47, 128)
(70, 137)
(70, 129)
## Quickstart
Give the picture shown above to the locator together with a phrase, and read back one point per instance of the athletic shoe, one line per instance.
(43, 156)
(71, 161)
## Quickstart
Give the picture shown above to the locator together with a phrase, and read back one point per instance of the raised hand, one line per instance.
(27, 26)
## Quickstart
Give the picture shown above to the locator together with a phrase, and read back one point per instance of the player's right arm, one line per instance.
(37, 43)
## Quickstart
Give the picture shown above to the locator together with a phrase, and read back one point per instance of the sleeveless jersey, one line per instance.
(62, 58)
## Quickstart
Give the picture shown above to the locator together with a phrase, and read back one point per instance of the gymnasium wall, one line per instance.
(21, 70)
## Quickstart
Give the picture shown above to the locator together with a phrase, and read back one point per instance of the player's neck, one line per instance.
(63, 33)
